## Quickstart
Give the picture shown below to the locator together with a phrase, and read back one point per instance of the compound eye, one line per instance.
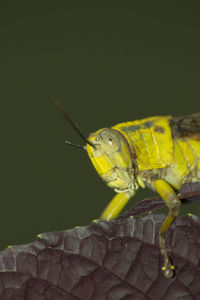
(111, 140)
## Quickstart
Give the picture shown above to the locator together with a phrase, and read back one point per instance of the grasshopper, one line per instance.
(160, 152)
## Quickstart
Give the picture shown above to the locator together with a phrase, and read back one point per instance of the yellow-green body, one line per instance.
(157, 152)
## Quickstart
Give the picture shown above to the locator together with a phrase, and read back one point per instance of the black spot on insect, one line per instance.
(134, 128)
(159, 129)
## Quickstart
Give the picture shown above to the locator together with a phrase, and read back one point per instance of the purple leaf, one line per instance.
(117, 260)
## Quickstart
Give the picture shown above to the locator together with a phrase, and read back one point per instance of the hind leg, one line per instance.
(172, 201)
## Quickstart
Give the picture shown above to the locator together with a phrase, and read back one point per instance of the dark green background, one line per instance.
(107, 62)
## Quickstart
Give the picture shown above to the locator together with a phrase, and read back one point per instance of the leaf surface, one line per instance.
(117, 260)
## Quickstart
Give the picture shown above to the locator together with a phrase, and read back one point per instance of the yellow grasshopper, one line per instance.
(159, 152)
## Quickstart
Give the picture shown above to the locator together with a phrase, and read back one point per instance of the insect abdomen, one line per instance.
(186, 163)
(186, 150)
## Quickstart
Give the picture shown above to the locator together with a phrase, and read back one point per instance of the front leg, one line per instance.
(115, 206)
(172, 201)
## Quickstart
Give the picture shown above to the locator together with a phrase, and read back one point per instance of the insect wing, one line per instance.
(189, 126)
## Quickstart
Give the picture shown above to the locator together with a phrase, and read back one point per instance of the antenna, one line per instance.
(60, 107)
(75, 145)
